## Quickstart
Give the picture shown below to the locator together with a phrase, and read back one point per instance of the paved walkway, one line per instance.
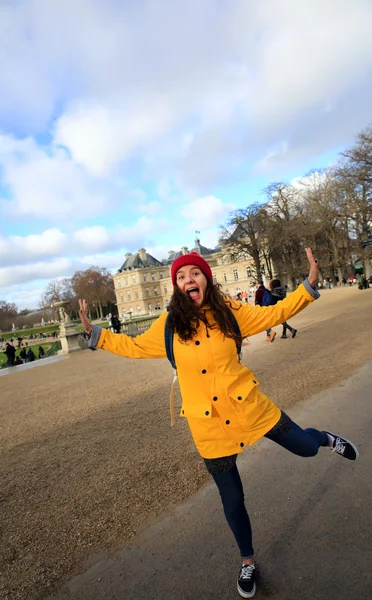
(311, 520)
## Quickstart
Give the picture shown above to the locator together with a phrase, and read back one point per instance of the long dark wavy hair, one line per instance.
(186, 316)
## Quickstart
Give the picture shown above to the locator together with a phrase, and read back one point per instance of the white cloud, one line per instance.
(99, 137)
(132, 85)
(206, 212)
(23, 251)
(47, 184)
(151, 208)
(20, 274)
(16, 249)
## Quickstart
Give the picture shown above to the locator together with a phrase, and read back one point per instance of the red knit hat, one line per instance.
(193, 258)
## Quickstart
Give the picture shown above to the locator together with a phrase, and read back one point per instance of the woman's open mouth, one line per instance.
(193, 293)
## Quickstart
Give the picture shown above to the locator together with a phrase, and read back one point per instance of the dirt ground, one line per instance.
(88, 458)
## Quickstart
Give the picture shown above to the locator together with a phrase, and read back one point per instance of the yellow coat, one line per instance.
(220, 398)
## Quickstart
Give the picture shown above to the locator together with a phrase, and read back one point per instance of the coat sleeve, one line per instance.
(149, 344)
(255, 319)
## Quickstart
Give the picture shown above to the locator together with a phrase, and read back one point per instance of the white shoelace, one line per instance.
(339, 446)
(246, 572)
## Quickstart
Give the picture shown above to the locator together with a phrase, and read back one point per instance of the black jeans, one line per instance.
(285, 327)
(303, 442)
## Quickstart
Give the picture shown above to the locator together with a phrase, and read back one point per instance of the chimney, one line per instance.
(170, 252)
(128, 254)
(185, 250)
(142, 254)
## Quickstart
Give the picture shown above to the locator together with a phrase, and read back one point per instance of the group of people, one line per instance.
(270, 297)
(25, 355)
(201, 335)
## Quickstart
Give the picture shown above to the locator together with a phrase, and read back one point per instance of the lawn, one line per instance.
(47, 346)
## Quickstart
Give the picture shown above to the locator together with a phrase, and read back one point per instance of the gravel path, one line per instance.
(88, 458)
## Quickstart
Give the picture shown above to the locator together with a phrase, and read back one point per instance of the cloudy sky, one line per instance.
(128, 124)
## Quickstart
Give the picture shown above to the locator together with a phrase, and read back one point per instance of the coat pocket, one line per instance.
(207, 430)
(240, 389)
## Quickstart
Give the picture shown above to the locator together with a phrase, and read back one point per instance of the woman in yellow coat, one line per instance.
(220, 397)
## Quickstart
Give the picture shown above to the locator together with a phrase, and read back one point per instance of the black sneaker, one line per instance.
(283, 337)
(294, 331)
(247, 581)
(344, 447)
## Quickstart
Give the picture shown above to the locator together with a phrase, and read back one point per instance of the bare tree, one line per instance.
(8, 314)
(354, 175)
(96, 285)
(242, 236)
(286, 230)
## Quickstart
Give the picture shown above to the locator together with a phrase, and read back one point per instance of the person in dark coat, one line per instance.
(23, 354)
(41, 352)
(10, 353)
(278, 293)
(115, 323)
(30, 355)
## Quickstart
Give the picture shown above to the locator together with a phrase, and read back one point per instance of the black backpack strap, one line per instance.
(168, 340)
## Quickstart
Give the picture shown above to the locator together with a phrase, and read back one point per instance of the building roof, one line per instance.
(140, 260)
(202, 250)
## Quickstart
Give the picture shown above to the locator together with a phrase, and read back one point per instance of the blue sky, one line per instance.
(126, 125)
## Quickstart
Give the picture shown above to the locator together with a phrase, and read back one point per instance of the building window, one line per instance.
(249, 272)
(153, 276)
(214, 279)
(148, 292)
(138, 309)
(145, 277)
(157, 306)
(150, 307)
(129, 296)
(236, 276)
(165, 290)
(119, 283)
(224, 277)
(133, 279)
(126, 281)
(161, 276)
(136, 294)
(155, 291)
(121, 297)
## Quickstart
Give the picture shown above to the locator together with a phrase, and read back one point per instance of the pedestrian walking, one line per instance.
(10, 354)
(221, 401)
(278, 293)
(263, 297)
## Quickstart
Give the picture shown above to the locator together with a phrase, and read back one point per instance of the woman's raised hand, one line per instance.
(313, 272)
(83, 313)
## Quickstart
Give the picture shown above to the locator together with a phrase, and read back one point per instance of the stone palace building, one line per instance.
(143, 284)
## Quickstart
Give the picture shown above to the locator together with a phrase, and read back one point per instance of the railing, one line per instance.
(138, 326)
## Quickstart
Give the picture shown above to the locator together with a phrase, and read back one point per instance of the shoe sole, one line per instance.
(351, 444)
(247, 594)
